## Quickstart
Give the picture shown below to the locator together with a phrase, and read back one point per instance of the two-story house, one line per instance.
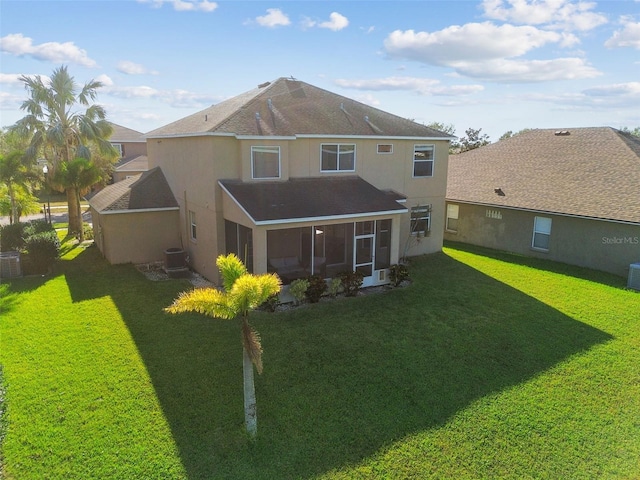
(298, 180)
(132, 146)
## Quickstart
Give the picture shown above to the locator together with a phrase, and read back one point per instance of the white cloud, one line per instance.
(423, 86)
(185, 5)
(628, 90)
(10, 79)
(274, 18)
(19, 45)
(560, 14)
(336, 22)
(485, 50)
(629, 36)
(174, 98)
(131, 68)
(104, 79)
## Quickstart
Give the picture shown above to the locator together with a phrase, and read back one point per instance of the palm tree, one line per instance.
(76, 176)
(242, 293)
(16, 174)
(59, 132)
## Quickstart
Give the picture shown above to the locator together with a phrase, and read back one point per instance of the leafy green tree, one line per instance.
(17, 175)
(242, 293)
(76, 176)
(510, 133)
(473, 139)
(635, 132)
(59, 131)
(449, 129)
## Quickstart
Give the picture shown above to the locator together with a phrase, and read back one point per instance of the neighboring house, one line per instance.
(298, 180)
(567, 195)
(136, 220)
(132, 146)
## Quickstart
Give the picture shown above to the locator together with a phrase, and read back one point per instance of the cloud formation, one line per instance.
(185, 5)
(131, 68)
(422, 86)
(336, 22)
(274, 18)
(21, 46)
(628, 36)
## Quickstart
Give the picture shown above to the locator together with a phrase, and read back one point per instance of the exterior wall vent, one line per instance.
(634, 276)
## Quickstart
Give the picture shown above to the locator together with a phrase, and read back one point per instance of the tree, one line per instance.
(242, 293)
(473, 139)
(59, 132)
(510, 133)
(76, 176)
(635, 132)
(16, 174)
(449, 129)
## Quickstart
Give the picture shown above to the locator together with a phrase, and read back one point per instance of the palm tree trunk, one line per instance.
(250, 408)
(75, 221)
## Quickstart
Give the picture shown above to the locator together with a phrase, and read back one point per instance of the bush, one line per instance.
(335, 285)
(351, 282)
(87, 230)
(298, 289)
(398, 273)
(11, 237)
(36, 226)
(43, 249)
(271, 303)
(317, 286)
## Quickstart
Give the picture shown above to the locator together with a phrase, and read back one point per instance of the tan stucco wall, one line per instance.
(193, 166)
(136, 237)
(597, 244)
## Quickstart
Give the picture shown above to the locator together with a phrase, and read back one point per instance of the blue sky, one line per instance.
(498, 65)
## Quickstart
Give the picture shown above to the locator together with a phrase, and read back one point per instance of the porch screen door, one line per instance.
(364, 249)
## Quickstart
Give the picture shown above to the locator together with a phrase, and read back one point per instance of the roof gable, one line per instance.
(590, 172)
(289, 107)
(122, 134)
(147, 191)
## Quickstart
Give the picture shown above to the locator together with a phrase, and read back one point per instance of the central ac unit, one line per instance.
(634, 276)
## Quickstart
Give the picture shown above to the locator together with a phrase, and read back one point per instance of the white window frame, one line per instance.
(424, 147)
(118, 147)
(541, 226)
(420, 213)
(265, 149)
(453, 212)
(193, 227)
(390, 145)
(338, 145)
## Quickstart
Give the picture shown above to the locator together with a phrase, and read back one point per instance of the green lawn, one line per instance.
(487, 366)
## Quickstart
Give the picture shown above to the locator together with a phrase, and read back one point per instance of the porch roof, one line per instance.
(309, 199)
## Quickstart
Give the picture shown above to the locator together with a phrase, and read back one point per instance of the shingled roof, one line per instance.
(147, 191)
(289, 107)
(586, 172)
(314, 198)
(122, 134)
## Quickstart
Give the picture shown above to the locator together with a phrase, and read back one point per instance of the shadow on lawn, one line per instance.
(342, 380)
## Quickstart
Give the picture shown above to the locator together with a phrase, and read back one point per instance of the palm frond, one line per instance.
(208, 301)
(252, 345)
(231, 268)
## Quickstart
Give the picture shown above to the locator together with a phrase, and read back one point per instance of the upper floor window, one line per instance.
(385, 148)
(119, 148)
(541, 233)
(423, 160)
(338, 157)
(265, 162)
(421, 220)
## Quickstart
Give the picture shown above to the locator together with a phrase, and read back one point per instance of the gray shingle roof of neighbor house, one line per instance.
(311, 198)
(587, 172)
(122, 134)
(135, 164)
(287, 107)
(147, 191)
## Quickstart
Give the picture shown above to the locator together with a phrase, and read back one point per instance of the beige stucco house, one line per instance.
(570, 195)
(298, 180)
(132, 146)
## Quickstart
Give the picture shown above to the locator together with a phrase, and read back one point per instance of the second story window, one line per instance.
(338, 157)
(423, 160)
(119, 148)
(265, 162)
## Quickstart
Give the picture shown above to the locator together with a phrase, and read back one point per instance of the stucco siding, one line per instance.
(602, 245)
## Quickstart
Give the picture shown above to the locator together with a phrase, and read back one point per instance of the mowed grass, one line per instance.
(487, 366)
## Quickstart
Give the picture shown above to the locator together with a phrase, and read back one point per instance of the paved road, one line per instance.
(58, 215)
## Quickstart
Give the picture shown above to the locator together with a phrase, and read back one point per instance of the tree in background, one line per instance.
(17, 175)
(242, 293)
(635, 132)
(510, 133)
(76, 176)
(473, 139)
(61, 133)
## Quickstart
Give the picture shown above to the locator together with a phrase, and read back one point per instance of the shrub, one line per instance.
(87, 231)
(43, 249)
(335, 285)
(271, 303)
(351, 282)
(398, 273)
(298, 289)
(317, 286)
(36, 226)
(11, 237)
